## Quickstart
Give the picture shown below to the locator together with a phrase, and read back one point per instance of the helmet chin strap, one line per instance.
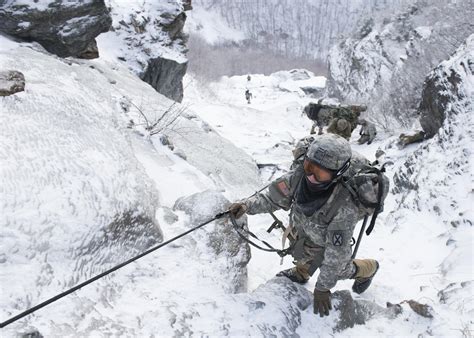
(343, 169)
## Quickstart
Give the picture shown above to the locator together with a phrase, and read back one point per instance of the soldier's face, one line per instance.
(315, 173)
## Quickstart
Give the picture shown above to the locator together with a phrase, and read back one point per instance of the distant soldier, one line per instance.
(340, 127)
(367, 132)
(248, 96)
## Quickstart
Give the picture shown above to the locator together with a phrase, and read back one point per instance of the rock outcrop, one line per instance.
(11, 82)
(436, 180)
(222, 239)
(446, 90)
(64, 28)
(153, 43)
(386, 61)
(166, 76)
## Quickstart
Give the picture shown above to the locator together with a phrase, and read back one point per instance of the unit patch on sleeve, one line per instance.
(337, 238)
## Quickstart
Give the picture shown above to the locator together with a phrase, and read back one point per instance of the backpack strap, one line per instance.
(378, 208)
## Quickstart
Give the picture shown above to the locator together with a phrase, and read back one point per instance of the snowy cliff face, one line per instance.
(149, 37)
(447, 90)
(74, 198)
(83, 189)
(299, 28)
(385, 63)
(433, 186)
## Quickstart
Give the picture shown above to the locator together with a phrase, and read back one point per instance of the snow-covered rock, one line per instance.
(435, 182)
(81, 191)
(385, 63)
(65, 28)
(11, 82)
(149, 38)
(230, 251)
(448, 89)
(74, 199)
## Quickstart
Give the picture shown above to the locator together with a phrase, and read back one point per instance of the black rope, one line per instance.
(93, 279)
(281, 253)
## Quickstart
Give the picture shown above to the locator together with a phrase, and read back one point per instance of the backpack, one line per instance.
(312, 110)
(367, 183)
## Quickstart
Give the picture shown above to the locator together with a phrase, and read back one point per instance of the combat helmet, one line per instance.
(342, 124)
(331, 152)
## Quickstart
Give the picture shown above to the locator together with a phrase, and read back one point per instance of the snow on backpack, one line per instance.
(367, 184)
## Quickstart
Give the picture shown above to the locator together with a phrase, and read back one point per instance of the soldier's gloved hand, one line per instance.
(322, 302)
(238, 209)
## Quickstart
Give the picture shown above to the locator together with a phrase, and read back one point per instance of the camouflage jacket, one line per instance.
(321, 229)
(369, 130)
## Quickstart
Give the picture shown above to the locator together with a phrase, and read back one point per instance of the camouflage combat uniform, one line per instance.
(349, 113)
(340, 127)
(323, 239)
(367, 133)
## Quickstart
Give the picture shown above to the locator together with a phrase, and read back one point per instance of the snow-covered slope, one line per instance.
(80, 192)
(189, 288)
(386, 61)
(74, 198)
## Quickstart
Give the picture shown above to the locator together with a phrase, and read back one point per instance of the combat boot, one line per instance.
(298, 274)
(365, 272)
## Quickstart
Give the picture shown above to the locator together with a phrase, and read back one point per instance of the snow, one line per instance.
(137, 34)
(70, 164)
(424, 31)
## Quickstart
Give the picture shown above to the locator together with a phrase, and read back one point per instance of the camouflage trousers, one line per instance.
(308, 257)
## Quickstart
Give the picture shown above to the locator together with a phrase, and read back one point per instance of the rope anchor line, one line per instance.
(105, 273)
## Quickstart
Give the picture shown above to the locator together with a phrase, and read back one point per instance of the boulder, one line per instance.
(444, 88)
(64, 28)
(11, 82)
(352, 312)
(223, 240)
(165, 75)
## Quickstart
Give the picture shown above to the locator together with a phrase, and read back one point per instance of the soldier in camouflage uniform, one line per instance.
(350, 113)
(324, 215)
(367, 132)
(320, 114)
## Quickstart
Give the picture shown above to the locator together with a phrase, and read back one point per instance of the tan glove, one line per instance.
(238, 209)
(322, 302)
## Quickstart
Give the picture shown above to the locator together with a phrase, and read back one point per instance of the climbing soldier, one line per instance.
(319, 114)
(324, 213)
(367, 132)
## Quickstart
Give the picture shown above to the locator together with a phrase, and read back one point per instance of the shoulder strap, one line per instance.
(379, 200)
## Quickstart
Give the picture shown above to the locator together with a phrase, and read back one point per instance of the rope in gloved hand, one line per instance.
(105, 273)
